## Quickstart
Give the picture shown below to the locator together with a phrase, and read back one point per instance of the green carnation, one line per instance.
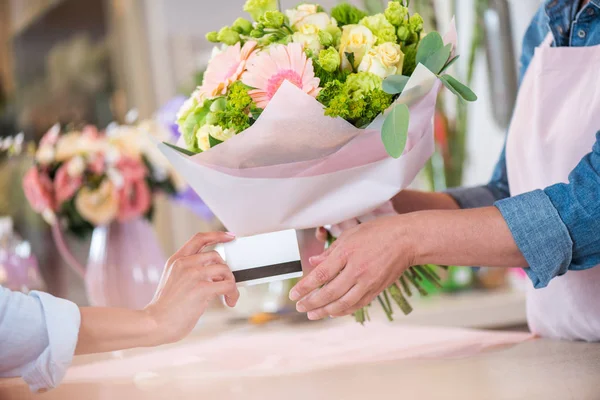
(257, 8)
(347, 14)
(228, 36)
(381, 28)
(329, 59)
(273, 19)
(242, 26)
(396, 13)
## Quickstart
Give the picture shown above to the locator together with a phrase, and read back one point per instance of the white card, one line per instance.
(263, 258)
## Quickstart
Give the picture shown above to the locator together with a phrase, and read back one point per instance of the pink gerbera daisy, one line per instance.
(267, 70)
(224, 69)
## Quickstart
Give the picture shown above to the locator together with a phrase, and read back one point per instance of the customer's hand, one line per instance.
(192, 278)
(358, 266)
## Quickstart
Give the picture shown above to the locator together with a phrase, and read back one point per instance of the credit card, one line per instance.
(264, 258)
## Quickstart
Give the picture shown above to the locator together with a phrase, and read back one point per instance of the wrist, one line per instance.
(416, 237)
(150, 326)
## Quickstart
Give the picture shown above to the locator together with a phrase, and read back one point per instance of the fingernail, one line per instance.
(312, 316)
(230, 234)
(300, 308)
(294, 295)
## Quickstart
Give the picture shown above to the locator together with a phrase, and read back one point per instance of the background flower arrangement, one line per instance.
(84, 178)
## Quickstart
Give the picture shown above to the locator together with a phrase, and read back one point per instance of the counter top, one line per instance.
(336, 360)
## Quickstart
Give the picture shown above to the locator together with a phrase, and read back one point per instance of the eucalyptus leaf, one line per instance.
(449, 64)
(394, 132)
(436, 62)
(458, 88)
(213, 142)
(395, 84)
(428, 46)
(181, 150)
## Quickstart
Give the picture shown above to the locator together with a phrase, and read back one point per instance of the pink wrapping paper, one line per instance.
(253, 352)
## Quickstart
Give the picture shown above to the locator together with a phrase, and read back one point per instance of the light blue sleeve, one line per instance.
(38, 335)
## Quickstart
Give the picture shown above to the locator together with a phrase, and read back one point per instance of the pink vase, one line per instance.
(124, 266)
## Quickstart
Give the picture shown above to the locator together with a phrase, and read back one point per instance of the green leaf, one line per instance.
(179, 149)
(395, 84)
(449, 64)
(213, 142)
(395, 130)
(351, 59)
(436, 62)
(458, 88)
(428, 46)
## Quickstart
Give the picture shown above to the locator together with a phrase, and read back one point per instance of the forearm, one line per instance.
(112, 329)
(412, 200)
(476, 237)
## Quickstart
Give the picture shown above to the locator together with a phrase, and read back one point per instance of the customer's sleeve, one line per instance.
(558, 228)
(486, 195)
(38, 336)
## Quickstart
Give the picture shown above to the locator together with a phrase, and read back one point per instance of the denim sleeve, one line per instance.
(38, 335)
(486, 195)
(557, 229)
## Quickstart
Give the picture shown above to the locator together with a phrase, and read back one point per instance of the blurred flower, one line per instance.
(226, 68)
(167, 115)
(45, 155)
(98, 206)
(51, 137)
(65, 184)
(269, 69)
(381, 28)
(73, 144)
(38, 190)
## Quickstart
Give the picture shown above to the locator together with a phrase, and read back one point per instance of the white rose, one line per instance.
(384, 60)
(308, 36)
(45, 155)
(216, 132)
(302, 11)
(321, 20)
(358, 40)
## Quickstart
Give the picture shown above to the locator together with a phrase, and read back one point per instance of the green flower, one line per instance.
(212, 37)
(347, 14)
(325, 38)
(410, 59)
(396, 13)
(416, 23)
(242, 26)
(381, 28)
(228, 36)
(358, 100)
(273, 19)
(329, 59)
(403, 33)
(257, 8)
(359, 84)
(192, 117)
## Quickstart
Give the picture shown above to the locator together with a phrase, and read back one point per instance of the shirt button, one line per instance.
(561, 30)
(581, 33)
(591, 11)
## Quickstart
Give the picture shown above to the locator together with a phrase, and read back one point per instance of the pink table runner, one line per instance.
(252, 352)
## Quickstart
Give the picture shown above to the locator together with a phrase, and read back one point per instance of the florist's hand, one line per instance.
(191, 279)
(358, 266)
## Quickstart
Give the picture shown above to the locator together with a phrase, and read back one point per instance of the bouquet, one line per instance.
(86, 178)
(307, 118)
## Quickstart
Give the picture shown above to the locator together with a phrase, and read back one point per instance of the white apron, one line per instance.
(556, 118)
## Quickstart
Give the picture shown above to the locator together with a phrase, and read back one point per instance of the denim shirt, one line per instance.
(557, 229)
